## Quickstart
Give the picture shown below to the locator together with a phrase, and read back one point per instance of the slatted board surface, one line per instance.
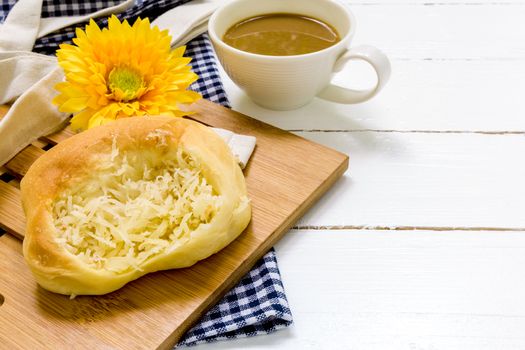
(285, 176)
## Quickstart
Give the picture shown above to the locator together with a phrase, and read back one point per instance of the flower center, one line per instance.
(125, 83)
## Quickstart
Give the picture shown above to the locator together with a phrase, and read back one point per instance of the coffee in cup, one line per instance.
(281, 34)
(288, 81)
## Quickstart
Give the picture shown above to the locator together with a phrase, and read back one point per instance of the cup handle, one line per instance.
(372, 55)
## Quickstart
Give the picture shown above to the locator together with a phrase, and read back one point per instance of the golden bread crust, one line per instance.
(68, 163)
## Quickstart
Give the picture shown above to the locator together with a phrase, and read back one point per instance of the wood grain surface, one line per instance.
(154, 311)
(422, 96)
(408, 251)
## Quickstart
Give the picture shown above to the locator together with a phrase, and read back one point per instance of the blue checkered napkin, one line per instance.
(257, 305)
(204, 64)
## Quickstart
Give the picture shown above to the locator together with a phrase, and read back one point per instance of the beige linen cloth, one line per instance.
(28, 78)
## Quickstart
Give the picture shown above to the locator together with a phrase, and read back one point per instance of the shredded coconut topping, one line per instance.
(134, 209)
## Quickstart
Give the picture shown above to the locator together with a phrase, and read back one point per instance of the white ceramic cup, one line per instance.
(288, 82)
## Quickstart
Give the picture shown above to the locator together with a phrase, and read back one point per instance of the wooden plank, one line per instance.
(60, 135)
(154, 311)
(410, 264)
(33, 332)
(424, 180)
(421, 95)
(40, 143)
(455, 31)
(379, 290)
(23, 160)
(436, 2)
(14, 183)
(12, 217)
(401, 290)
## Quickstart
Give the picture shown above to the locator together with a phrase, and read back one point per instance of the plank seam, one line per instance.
(480, 132)
(458, 3)
(404, 228)
(457, 59)
(398, 228)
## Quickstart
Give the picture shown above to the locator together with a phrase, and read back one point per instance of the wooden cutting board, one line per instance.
(285, 176)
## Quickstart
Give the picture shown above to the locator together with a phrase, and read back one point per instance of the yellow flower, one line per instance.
(122, 71)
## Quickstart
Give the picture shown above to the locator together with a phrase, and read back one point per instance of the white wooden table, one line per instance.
(421, 246)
